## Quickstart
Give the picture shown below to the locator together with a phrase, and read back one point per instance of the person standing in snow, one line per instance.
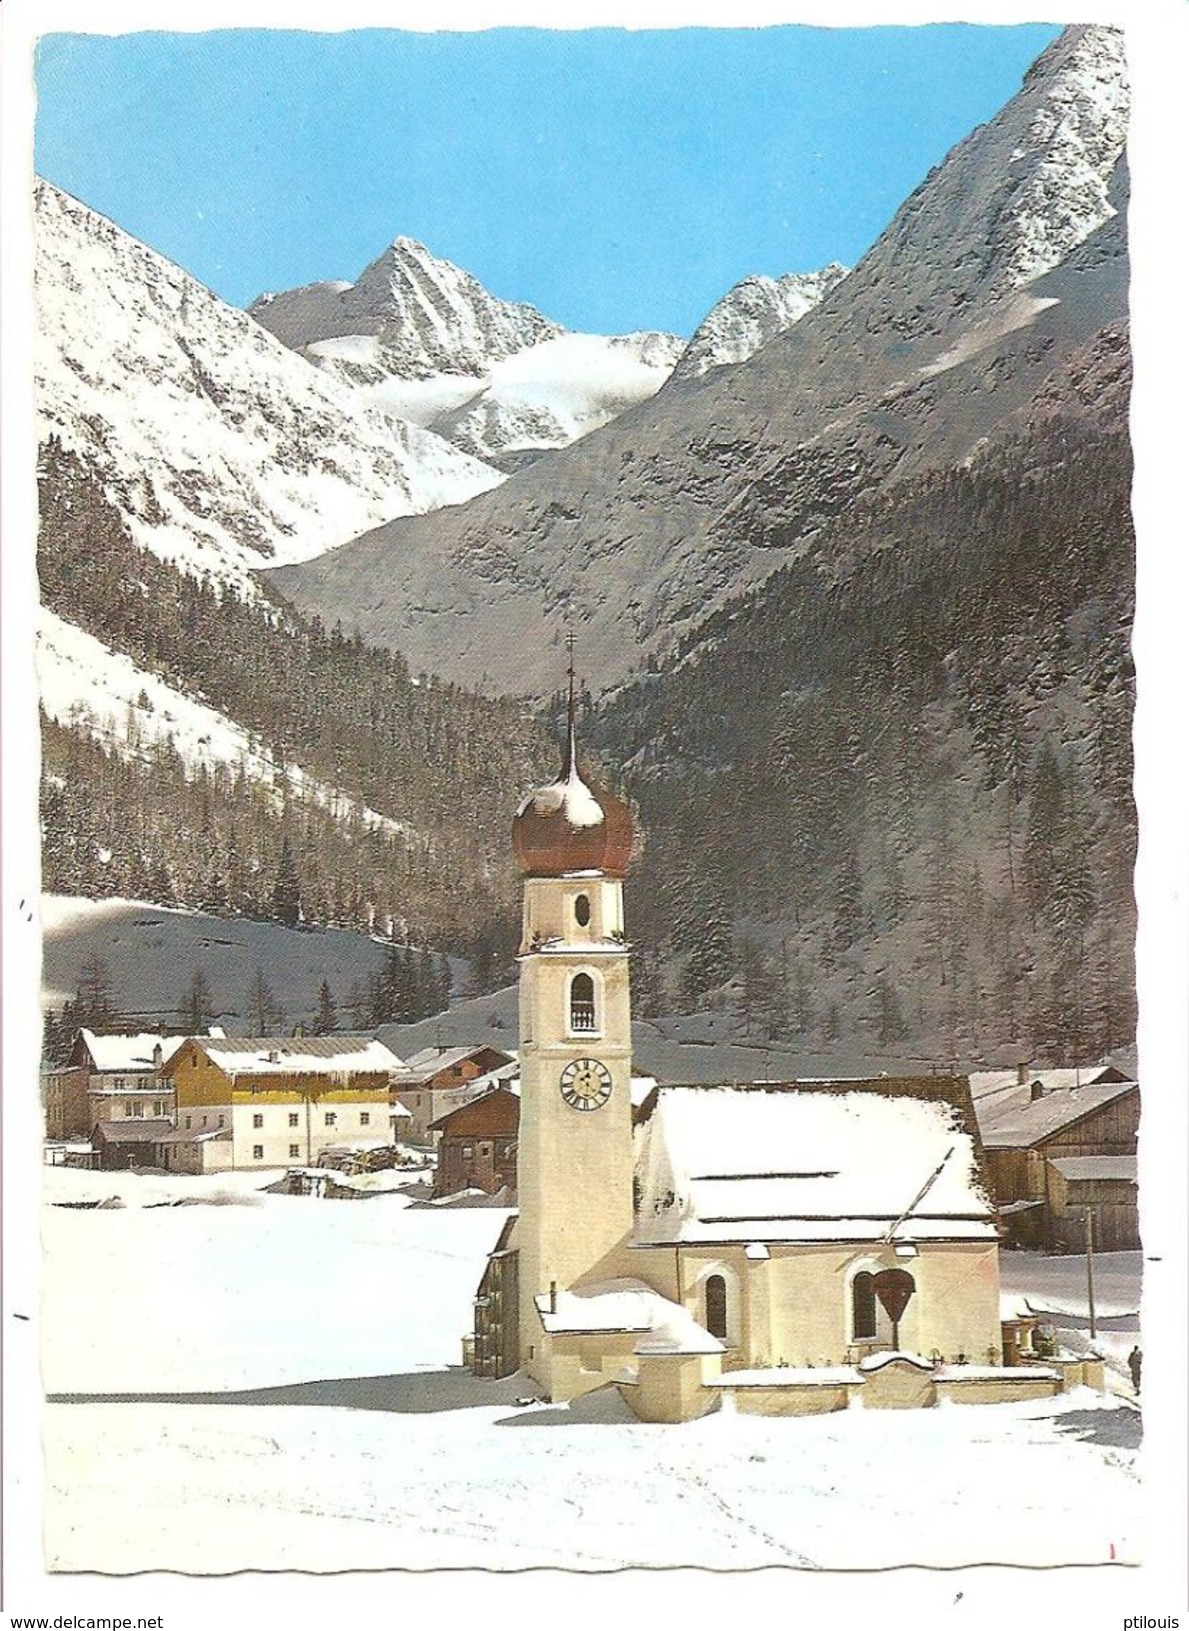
(1135, 1362)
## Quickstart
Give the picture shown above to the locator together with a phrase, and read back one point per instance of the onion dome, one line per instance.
(572, 825)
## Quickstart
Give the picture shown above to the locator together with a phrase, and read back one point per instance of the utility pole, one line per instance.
(1090, 1273)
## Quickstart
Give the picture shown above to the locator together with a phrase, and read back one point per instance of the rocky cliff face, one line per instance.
(424, 315)
(1007, 259)
(751, 314)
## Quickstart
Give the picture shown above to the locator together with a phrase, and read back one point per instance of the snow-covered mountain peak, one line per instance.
(1063, 165)
(751, 313)
(223, 450)
(422, 315)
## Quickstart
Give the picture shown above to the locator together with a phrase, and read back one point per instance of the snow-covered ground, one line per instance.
(1057, 1287)
(363, 1444)
(152, 951)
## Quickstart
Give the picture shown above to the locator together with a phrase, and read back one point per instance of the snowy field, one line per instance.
(291, 1398)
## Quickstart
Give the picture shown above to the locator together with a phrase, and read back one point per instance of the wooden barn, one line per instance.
(1039, 1129)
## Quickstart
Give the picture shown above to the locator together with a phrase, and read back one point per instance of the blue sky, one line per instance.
(617, 180)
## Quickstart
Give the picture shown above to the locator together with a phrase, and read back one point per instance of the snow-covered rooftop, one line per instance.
(1078, 1167)
(429, 1061)
(1014, 1119)
(135, 1130)
(808, 1162)
(130, 1051)
(298, 1055)
(627, 1305)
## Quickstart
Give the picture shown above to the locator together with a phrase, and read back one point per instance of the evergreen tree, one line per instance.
(327, 1018)
(94, 1006)
(197, 1005)
(260, 1006)
(286, 894)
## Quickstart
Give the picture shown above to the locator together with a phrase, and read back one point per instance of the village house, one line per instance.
(123, 1081)
(477, 1144)
(439, 1079)
(782, 1248)
(66, 1103)
(275, 1101)
(1060, 1143)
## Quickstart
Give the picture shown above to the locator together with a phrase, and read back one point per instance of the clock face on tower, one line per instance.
(585, 1084)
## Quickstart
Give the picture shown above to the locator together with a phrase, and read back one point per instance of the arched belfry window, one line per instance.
(582, 1003)
(716, 1306)
(582, 911)
(862, 1295)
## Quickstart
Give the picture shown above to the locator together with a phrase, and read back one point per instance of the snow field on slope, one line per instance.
(291, 1291)
(152, 951)
(579, 381)
(81, 677)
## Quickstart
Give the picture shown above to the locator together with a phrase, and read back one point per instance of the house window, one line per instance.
(119, 1083)
(582, 1003)
(129, 1108)
(258, 1121)
(716, 1306)
(467, 1151)
(862, 1302)
(257, 1152)
(485, 1149)
(330, 1118)
(365, 1119)
(293, 1118)
(158, 1108)
(294, 1149)
(220, 1121)
(188, 1123)
(582, 911)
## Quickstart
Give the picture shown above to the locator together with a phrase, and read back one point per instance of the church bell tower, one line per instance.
(574, 1167)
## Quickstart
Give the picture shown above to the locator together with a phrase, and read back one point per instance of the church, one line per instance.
(781, 1248)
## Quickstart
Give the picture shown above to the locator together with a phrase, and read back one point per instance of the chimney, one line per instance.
(1038, 1092)
(1022, 1073)
(553, 1296)
(158, 1056)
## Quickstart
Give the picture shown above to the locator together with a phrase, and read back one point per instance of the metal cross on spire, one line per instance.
(571, 745)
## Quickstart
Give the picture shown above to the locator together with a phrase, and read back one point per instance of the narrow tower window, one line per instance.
(582, 911)
(862, 1294)
(582, 1003)
(716, 1306)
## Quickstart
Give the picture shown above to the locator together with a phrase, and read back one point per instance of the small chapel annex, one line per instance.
(775, 1247)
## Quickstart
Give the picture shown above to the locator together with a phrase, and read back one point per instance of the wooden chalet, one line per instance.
(477, 1144)
(436, 1080)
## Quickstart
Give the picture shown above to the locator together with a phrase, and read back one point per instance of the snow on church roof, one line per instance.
(627, 1305)
(809, 1162)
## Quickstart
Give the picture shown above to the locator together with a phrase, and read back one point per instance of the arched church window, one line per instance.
(582, 911)
(716, 1306)
(582, 1003)
(862, 1293)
